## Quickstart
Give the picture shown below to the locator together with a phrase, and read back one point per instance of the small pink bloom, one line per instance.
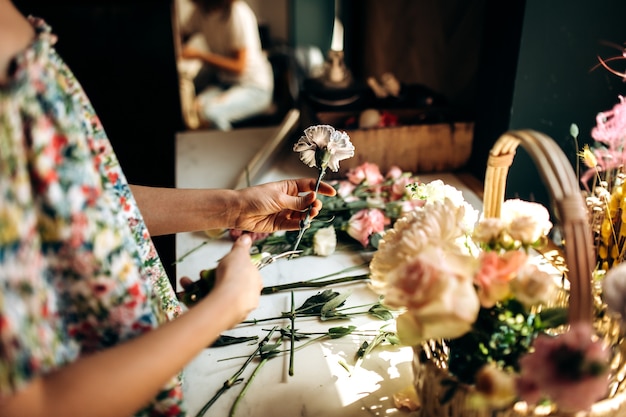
(398, 188)
(571, 369)
(366, 222)
(394, 172)
(368, 173)
(345, 188)
(495, 273)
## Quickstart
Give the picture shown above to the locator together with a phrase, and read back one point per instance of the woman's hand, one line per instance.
(237, 280)
(278, 205)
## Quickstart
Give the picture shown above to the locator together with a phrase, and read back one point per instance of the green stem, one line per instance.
(293, 334)
(306, 223)
(234, 380)
(189, 252)
(310, 284)
(233, 408)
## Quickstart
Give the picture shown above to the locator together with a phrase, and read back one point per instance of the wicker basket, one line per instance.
(430, 359)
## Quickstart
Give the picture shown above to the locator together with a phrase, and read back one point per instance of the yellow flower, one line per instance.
(588, 157)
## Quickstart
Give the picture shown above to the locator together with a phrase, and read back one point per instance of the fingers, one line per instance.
(185, 282)
(308, 184)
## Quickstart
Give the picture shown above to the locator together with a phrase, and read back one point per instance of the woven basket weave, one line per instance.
(430, 359)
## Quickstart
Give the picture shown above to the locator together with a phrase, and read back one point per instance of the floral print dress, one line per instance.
(78, 270)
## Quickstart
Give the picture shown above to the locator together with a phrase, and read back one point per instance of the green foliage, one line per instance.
(500, 335)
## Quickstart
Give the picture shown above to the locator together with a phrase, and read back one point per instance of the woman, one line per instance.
(236, 81)
(89, 325)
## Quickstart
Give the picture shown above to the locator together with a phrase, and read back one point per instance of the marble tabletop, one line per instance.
(326, 381)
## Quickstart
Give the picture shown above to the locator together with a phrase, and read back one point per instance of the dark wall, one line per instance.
(543, 80)
(122, 52)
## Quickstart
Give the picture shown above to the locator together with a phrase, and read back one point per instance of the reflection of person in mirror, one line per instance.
(236, 80)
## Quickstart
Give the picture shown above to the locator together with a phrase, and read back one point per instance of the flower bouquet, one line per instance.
(367, 203)
(494, 334)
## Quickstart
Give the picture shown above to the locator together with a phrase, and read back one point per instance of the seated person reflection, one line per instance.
(236, 79)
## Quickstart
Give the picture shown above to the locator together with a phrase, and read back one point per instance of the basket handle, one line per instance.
(568, 203)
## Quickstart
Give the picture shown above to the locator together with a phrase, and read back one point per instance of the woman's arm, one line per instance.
(235, 64)
(121, 380)
(268, 207)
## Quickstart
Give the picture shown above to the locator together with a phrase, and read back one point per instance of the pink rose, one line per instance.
(571, 369)
(367, 173)
(398, 188)
(394, 172)
(495, 273)
(366, 222)
(436, 289)
(345, 189)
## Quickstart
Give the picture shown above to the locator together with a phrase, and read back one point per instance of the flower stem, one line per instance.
(306, 222)
(310, 284)
(233, 408)
(293, 334)
(234, 380)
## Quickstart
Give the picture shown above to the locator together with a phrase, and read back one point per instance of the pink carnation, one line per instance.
(366, 222)
(571, 369)
(495, 273)
(367, 173)
(394, 172)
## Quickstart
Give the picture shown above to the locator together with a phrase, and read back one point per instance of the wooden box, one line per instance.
(418, 148)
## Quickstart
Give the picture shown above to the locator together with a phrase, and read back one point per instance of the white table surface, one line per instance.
(320, 386)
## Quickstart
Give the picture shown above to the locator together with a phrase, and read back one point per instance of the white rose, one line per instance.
(325, 241)
(532, 286)
(488, 230)
(527, 221)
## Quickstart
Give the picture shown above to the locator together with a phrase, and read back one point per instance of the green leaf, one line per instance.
(362, 349)
(314, 304)
(225, 340)
(335, 302)
(380, 312)
(338, 332)
(553, 317)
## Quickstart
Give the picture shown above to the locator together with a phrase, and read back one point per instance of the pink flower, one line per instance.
(436, 288)
(398, 188)
(367, 173)
(345, 188)
(366, 222)
(394, 172)
(570, 369)
(495, 273)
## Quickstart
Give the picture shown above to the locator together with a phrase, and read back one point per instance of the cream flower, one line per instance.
(532, 286)
(527, 221)
(322, 146)
(489, 230)
(438, 191)
(439, 224)
(496, 386)
(325, 241)
(436, 289)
